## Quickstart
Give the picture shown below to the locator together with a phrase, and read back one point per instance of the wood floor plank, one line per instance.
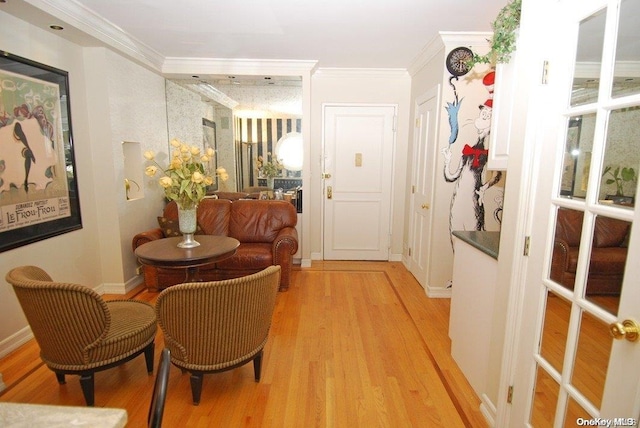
(354, 344)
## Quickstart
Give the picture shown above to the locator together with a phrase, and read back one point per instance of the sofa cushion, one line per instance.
(608, 261)
(569, 226)
(260, 221)
(171, 228)
(610, 232)
(213, 215)
(254, 256)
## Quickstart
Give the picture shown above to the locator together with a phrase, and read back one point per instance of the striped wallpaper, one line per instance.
(265, 133)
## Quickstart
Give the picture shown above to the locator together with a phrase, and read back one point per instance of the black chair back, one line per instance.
(156, 409)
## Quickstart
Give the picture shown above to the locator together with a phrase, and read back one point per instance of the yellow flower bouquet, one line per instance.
(269, 167)
(187, 177)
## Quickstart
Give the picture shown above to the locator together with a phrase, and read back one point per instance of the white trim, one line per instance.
(395, 257)
(437, 44)
(488, 410)
(176, 67)
(89, 22)
(438, 292)
(15, 341)
(360, 73)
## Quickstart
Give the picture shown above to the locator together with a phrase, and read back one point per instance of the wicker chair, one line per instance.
(77, 331)
(216, 326)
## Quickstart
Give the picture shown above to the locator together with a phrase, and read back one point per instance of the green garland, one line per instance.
(503, 42)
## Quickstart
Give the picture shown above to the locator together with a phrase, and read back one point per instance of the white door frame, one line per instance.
(322, 165)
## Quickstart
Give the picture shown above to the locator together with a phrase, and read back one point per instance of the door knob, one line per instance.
(627, 329)
(425, 206)
(326, 175)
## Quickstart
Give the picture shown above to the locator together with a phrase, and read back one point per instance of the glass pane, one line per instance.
(586, 79)
(592, 358)
(621, 158)
(626, 81)
(577, 156)
(554, 333)
(575, 412)
(570, 158)
(607, 262)
(544, 400)
(566, 247)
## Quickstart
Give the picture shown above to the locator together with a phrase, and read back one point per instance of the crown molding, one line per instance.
(447, 38)
(176, 67)
(85, 20)
(359, 73)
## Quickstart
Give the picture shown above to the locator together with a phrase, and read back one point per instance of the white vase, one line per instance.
(187, 220)
(270, 181)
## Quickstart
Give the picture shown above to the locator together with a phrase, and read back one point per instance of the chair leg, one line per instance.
(257, 366)
(60, 377)
(86, 382)
(148, 357)
(196, 386)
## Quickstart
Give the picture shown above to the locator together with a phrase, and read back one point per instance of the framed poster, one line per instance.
(38, 183)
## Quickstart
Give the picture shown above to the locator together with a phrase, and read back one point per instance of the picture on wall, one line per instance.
(38, 186)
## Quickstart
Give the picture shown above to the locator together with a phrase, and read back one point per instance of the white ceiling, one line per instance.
(335, 33)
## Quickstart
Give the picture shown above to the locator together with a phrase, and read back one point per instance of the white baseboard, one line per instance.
(395, 258)
(15, 341)
(305, 263)
(119, 288)
(488, 410)
(439, 292)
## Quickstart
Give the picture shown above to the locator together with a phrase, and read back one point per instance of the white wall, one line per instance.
(429, 72)
(137, 113)
(112, 100)
(74, 256)
(359, 87)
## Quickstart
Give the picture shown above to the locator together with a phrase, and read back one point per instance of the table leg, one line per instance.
(192, 274)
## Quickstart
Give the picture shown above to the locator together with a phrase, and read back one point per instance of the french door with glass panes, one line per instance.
(578, 355)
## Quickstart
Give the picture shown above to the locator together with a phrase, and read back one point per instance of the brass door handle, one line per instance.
(329, 192)
(425, 206)
(326, 175)
(627, 329)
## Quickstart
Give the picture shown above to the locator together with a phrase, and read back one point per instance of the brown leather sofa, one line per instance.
(265, 229)
(608, 253)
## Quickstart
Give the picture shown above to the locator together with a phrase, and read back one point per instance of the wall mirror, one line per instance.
(244, 117)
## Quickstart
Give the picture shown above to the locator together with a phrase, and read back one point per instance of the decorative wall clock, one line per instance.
(457, 61)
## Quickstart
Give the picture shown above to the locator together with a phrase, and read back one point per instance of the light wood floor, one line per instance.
(353, 344)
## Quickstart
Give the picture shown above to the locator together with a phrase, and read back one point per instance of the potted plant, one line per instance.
(618, 176)
(269, 167)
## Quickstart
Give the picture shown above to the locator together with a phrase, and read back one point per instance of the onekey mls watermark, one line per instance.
(603, 422)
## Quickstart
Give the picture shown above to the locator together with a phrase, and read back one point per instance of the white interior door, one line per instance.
(570, 370)
(424, 146)
(358, 159)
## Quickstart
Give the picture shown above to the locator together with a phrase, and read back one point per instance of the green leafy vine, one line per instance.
(503, 42)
